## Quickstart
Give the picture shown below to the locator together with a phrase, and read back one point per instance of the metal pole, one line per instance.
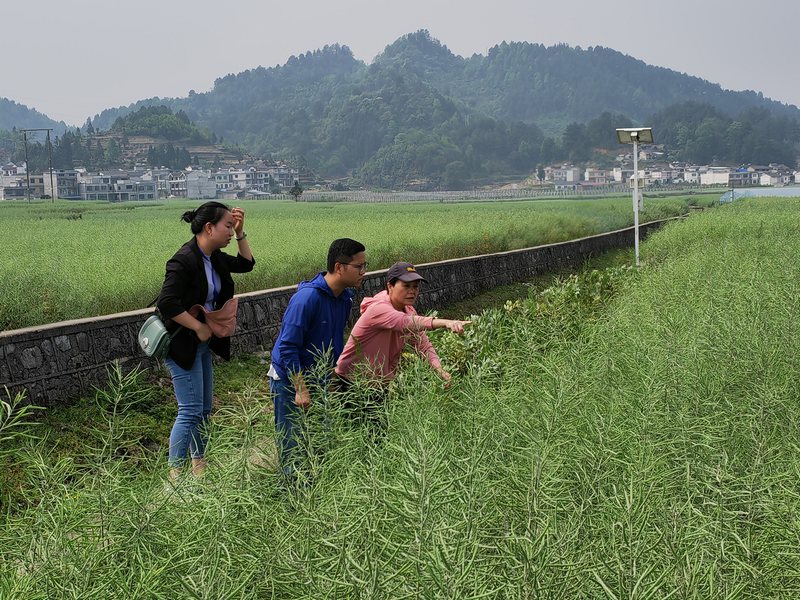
(27, 166)
(27, 160)
(53, 191)
(636, 196)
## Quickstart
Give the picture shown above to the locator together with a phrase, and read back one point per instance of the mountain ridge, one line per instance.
(496, 113)
(542, 59)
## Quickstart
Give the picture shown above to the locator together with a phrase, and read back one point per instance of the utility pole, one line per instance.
(53, 191)
(27, 165)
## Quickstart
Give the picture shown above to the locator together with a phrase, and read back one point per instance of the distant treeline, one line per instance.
(161, 122)
(419, 113)
(97, 150)
(460, 150)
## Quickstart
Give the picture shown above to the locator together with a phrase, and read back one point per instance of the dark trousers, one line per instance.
(288, 424)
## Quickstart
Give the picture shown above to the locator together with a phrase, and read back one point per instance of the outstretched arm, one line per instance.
(423, 323)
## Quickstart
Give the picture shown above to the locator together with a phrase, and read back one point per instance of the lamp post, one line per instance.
(634, 135)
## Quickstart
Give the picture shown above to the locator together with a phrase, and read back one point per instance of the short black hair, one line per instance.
(342, 251)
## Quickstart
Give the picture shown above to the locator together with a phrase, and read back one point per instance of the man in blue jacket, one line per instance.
(312, 329)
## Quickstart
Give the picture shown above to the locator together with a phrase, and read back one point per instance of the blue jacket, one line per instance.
(313, 324)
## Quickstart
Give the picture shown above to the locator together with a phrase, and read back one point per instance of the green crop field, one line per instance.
(70, 259)
(624, 434)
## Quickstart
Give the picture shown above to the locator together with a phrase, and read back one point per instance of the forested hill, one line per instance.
(159, 121)
(418, 114)
(516, 81)
(419, 103)
(13, 115)
(559, 84)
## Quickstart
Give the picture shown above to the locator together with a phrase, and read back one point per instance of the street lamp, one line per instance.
(634, 135)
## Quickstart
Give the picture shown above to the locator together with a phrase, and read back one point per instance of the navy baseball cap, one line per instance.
(404, 271)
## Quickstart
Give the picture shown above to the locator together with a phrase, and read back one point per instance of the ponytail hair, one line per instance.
(210, 212)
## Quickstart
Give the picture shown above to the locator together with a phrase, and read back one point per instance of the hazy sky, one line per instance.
(70, 59)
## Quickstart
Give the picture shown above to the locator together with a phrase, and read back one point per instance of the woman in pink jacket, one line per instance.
(387, 324)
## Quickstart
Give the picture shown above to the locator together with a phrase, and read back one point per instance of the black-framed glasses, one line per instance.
(362, 268)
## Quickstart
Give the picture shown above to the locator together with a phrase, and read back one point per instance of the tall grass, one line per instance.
(628, 434)
(78, 259)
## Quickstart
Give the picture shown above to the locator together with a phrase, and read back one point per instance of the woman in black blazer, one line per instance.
(199, 274)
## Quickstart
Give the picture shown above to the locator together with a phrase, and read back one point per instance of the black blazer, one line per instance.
(184, 286)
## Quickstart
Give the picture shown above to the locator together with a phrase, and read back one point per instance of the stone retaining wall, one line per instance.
(57, 362)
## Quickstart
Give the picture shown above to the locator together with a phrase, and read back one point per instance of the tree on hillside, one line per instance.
(455, 175)
(601, 131)
(296, 190)
(574, 142)
(549, 150)
(112, 152)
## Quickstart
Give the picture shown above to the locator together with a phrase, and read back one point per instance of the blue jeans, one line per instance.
(193, 390)
(288, 424)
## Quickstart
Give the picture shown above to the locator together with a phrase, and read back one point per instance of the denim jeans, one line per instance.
(193, 390)
(288, 424)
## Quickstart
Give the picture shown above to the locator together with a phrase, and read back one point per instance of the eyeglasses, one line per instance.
(362, 268)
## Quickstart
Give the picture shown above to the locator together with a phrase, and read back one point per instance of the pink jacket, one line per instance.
(378, 339)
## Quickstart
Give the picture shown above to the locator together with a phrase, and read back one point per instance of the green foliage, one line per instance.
(649, 452)
(579, 296)
(121, 429)
(18, 116)
(159, 121)
(112, 152)
(14, 419)
(524, 81)
(296, 191)
(168, 156)
(127, 420)
(419, 112)
(422, 117)
(701, 134)
(56, 248)
(548, 317)
(96, 151)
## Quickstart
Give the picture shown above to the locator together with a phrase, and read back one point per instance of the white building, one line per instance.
(65, 181)
(743, 178)
(779, 178)
(11, 170)
(177, 185)
(161, 178)
(715, 176)
(597, 176)
(622, 174)
(284, 175)
(200, 185)
(223, 180)
(97, 187)
(562, 174)
(134, 189)
(691, 174)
